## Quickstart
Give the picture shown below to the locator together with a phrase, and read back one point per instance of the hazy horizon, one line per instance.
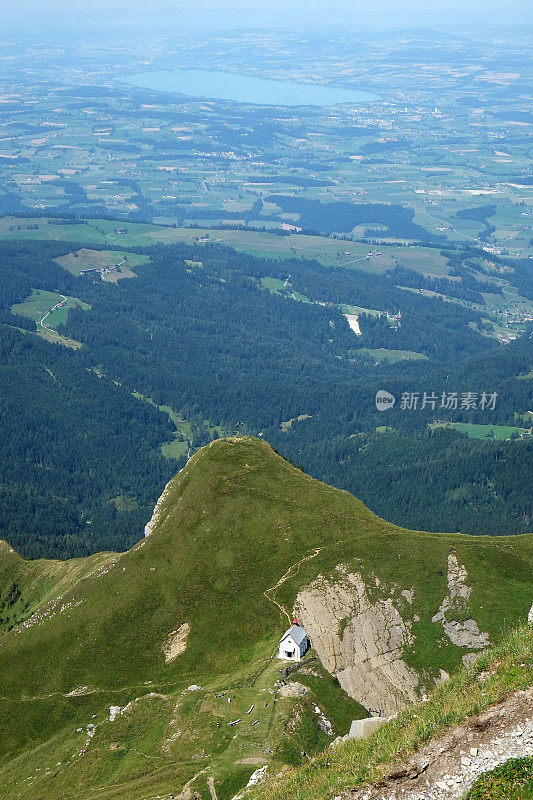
(277, 14)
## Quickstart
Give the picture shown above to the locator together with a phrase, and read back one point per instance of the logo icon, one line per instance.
(384, 400)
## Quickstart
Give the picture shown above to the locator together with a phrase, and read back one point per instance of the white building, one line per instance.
(294, 643)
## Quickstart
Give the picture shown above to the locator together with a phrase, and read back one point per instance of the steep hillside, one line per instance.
(27, 586)
(239, 539)
(472, 740)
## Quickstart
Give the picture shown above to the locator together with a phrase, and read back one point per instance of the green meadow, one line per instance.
(329, 251)
(83, 259)
(38, 307)
(473, 431)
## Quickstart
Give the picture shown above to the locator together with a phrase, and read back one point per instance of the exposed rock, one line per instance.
(79, 691)
(176, 642)
(366, 655)
(148, 528)
(469, 659)
(445, 767)
(339, 740)
(443, 677)
(293, 689)
(323, 722)
(463, 633)
(309, 671)
(302, 667)
(255, 778)
(361, 728)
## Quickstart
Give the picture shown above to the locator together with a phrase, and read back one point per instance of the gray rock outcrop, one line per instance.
(359, 641)
(463, 632)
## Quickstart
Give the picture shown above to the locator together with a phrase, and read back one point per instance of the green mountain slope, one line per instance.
(239, 538)
(27, 586)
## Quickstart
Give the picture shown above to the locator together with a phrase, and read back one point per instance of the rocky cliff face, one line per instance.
(359, 641)
(362, 640)
(149, 527)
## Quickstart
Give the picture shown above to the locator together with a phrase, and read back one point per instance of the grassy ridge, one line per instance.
(233, 521)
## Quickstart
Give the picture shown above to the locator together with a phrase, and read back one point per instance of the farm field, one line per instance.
(49, 310)
(284, 288)
(331, 252)
(441, 171)
(111, 234)
(426, 260)
(86, 259)
(392, 356)
(500, 432)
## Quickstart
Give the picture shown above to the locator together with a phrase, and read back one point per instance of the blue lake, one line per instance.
(246, 89)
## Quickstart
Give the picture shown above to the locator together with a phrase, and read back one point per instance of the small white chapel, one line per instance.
(294, 643)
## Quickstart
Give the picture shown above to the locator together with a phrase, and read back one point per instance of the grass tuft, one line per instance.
(510, 781)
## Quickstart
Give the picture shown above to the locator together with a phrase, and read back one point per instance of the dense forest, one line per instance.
(342, 217)
(428, 479)
(468, 288)
(81, 455)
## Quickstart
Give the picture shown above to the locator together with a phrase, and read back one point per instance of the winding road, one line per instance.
(41, 323)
